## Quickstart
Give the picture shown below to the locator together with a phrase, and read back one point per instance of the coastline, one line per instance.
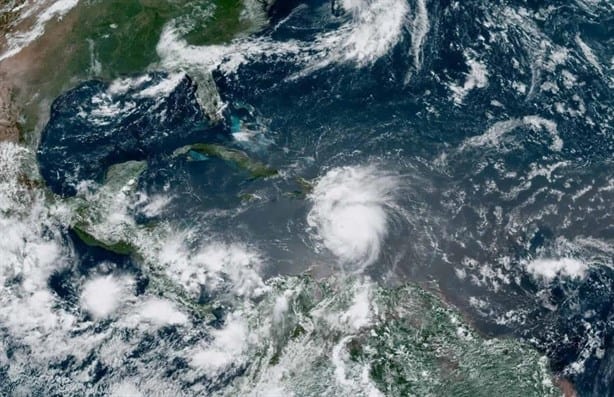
(87, 41)
(35, 74)
(32, 78)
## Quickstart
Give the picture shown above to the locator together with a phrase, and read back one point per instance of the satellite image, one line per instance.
(276, 198)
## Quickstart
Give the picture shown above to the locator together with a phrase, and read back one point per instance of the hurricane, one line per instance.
(306, 198)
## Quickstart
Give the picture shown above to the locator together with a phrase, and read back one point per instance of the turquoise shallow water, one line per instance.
(357, 150)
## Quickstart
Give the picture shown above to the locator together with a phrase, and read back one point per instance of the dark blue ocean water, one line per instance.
(478, 210)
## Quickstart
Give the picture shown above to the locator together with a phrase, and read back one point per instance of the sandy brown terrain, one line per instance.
(30, 79)
(9, 130)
